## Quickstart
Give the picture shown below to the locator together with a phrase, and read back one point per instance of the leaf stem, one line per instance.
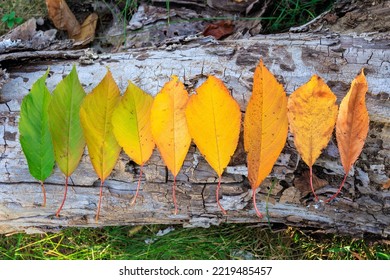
(100, 201)
(44, 194)
(254, 204)
(63, 200)
(217, 195)
(311, 183)
(174, 194)
(339, 190)
(138, 186)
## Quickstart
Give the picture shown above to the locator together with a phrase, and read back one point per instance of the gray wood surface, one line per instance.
(363, 207)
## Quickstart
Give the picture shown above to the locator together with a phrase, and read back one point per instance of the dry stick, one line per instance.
(174, 194)
(63, 200)
(44, 193)
(138, 186)
(339, 190)
(217, 195)
(311, 183)
(100, 201)
(254, 204)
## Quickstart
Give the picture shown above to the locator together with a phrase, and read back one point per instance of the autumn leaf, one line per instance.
(87, 30)
(95, 116)
(265, 127)
(219, 29)
(214, 119)
(34, 132)
(312, 114)
(169, 126)
(352, 125)
(132, 127)
(62, 17)
(65, 127)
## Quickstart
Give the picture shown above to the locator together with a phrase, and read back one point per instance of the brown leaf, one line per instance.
(62, 17)
(219, 29)
(386, 185)
(302, 183)
(87, 33)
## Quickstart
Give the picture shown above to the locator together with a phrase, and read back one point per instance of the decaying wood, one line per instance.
(362, 207)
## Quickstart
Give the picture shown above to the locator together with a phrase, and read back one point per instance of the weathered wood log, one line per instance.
(362, 207)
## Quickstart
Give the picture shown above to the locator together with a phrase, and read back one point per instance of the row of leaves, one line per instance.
(55, 127)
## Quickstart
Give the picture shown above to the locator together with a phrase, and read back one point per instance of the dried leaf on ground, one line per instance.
(219, 29)
(302, 183)
(87, 31)
(62, 17)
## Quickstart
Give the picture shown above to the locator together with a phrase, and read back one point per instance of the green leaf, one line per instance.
(34, 131)
(18, 20)
(5, 18)
(11, 16)
(64, 122)
(10, 23)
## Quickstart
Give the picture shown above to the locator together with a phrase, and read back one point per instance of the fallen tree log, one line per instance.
(363, 207)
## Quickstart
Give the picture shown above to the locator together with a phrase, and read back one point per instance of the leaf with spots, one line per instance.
(352, 125)
(34, 132)
(95, 116)
(169, 126)
(265, 127)
(214, 120)
(132, 127)
(312, 113)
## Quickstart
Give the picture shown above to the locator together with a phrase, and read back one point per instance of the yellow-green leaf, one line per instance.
(131, 124)
(132, 128)
(95, 115)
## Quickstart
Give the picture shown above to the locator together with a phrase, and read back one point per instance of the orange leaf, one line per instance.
(214, 119)
(265, 126)
(352, 125)
(312, 114)
(352, 122)
(62, 17)
(169, 126)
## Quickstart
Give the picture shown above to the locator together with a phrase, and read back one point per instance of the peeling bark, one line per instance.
(362, 207)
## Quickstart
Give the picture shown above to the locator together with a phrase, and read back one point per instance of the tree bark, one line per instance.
(363, 207)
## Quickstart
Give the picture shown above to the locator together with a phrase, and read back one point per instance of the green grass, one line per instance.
(24, 9)
(223, 242)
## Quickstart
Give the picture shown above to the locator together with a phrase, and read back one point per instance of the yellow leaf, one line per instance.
(352, 125)
(312, 115)
(132, 127)
(169, 126)
(95, 115)
(214, 119)
(265, 126)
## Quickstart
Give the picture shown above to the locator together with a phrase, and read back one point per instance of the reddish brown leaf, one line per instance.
(219, 29)
(302, 183)
(62, 17)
